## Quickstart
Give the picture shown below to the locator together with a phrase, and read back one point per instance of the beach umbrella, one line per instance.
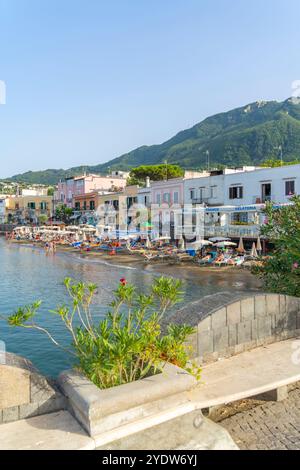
(224, 244)
(219, 239)
(205, 242)
(181, 244)
(241, 248)
(166, 238)
(258, 245)
(253, 251)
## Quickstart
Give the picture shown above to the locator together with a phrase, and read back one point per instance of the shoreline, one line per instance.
(184, 270)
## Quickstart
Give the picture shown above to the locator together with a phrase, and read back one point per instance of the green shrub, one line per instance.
(281, 271)
(128, 344)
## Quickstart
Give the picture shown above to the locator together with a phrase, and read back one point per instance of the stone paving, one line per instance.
(267, 426)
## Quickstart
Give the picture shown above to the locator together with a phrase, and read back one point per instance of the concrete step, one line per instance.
(188, 432)
(54, 431)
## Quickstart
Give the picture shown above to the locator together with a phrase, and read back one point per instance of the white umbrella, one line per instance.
(219, 239)
(224, 244)
(162, 239)
(253, 251)
(258, 245)
(181, 244)
(241, 245)
(205, 242)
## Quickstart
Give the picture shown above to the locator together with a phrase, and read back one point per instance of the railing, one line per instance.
(262, 199)
(232, 231)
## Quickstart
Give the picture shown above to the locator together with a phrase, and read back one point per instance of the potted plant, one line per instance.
(125, 367)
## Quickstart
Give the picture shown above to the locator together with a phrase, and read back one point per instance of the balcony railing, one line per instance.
(262, 199)
(200, 200)
(232, 231)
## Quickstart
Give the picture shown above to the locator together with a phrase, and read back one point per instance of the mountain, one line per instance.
(244, 136)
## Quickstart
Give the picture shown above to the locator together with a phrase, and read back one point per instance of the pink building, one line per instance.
(168, 192)
(79, 185)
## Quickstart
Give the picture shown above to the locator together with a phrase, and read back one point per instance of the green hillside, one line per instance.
(243, 136)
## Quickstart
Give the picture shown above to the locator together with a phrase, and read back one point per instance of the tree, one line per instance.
(155, 173)
(274, 163)
(280, 272)
(50, 191)
(63, 213)
(43, 219)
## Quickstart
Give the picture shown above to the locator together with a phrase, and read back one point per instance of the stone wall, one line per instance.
(228, 324)
(24, 392)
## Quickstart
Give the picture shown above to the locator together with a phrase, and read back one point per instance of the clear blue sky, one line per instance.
(88, 80)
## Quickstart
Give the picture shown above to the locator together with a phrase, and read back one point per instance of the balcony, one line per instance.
(232, 231)
(263, 199)
(200, 200)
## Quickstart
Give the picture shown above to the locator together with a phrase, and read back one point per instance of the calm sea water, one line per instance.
(27, 274)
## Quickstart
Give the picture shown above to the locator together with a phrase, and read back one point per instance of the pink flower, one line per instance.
(295, 265)
(123, 281)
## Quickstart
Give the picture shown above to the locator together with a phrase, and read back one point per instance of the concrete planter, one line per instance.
(127, 408)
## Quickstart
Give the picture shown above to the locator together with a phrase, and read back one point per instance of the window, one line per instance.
(175, 197)
(192, 193)
(202, 194)
(157, 198)
(31, 205)
(213, 192)
(236, 192)
(77, 206)
(43, 206)
(240, 217)
(92, 205)
(266, 192)
(290, 188)
(166, 197)
(84, 205)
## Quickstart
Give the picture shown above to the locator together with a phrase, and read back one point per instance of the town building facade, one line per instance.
(71, 187)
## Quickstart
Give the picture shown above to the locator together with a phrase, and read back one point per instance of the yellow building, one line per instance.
(113, 209)
(28, 209)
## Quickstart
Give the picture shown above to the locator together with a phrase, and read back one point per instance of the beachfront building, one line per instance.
(234, 200)
(28, 209)
(2, 209)
(85, 207)
(71, 187)
(110, 209)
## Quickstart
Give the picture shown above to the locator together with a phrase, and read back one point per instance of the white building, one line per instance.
(261, 185)
(2, 210)
(235, 199)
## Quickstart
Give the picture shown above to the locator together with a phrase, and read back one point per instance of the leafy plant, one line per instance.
(281, 271)
(128, 344)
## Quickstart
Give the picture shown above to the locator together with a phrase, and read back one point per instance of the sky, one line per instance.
(89, 80)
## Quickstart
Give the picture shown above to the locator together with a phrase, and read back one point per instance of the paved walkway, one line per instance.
(269, 426)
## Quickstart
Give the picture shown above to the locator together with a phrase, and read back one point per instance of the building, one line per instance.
(2, 209)
(28, 209)
(80, 185)
(107, 208)
(234, 200)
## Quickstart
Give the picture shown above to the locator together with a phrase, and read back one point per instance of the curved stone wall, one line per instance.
(228, 324)
(24, 392)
